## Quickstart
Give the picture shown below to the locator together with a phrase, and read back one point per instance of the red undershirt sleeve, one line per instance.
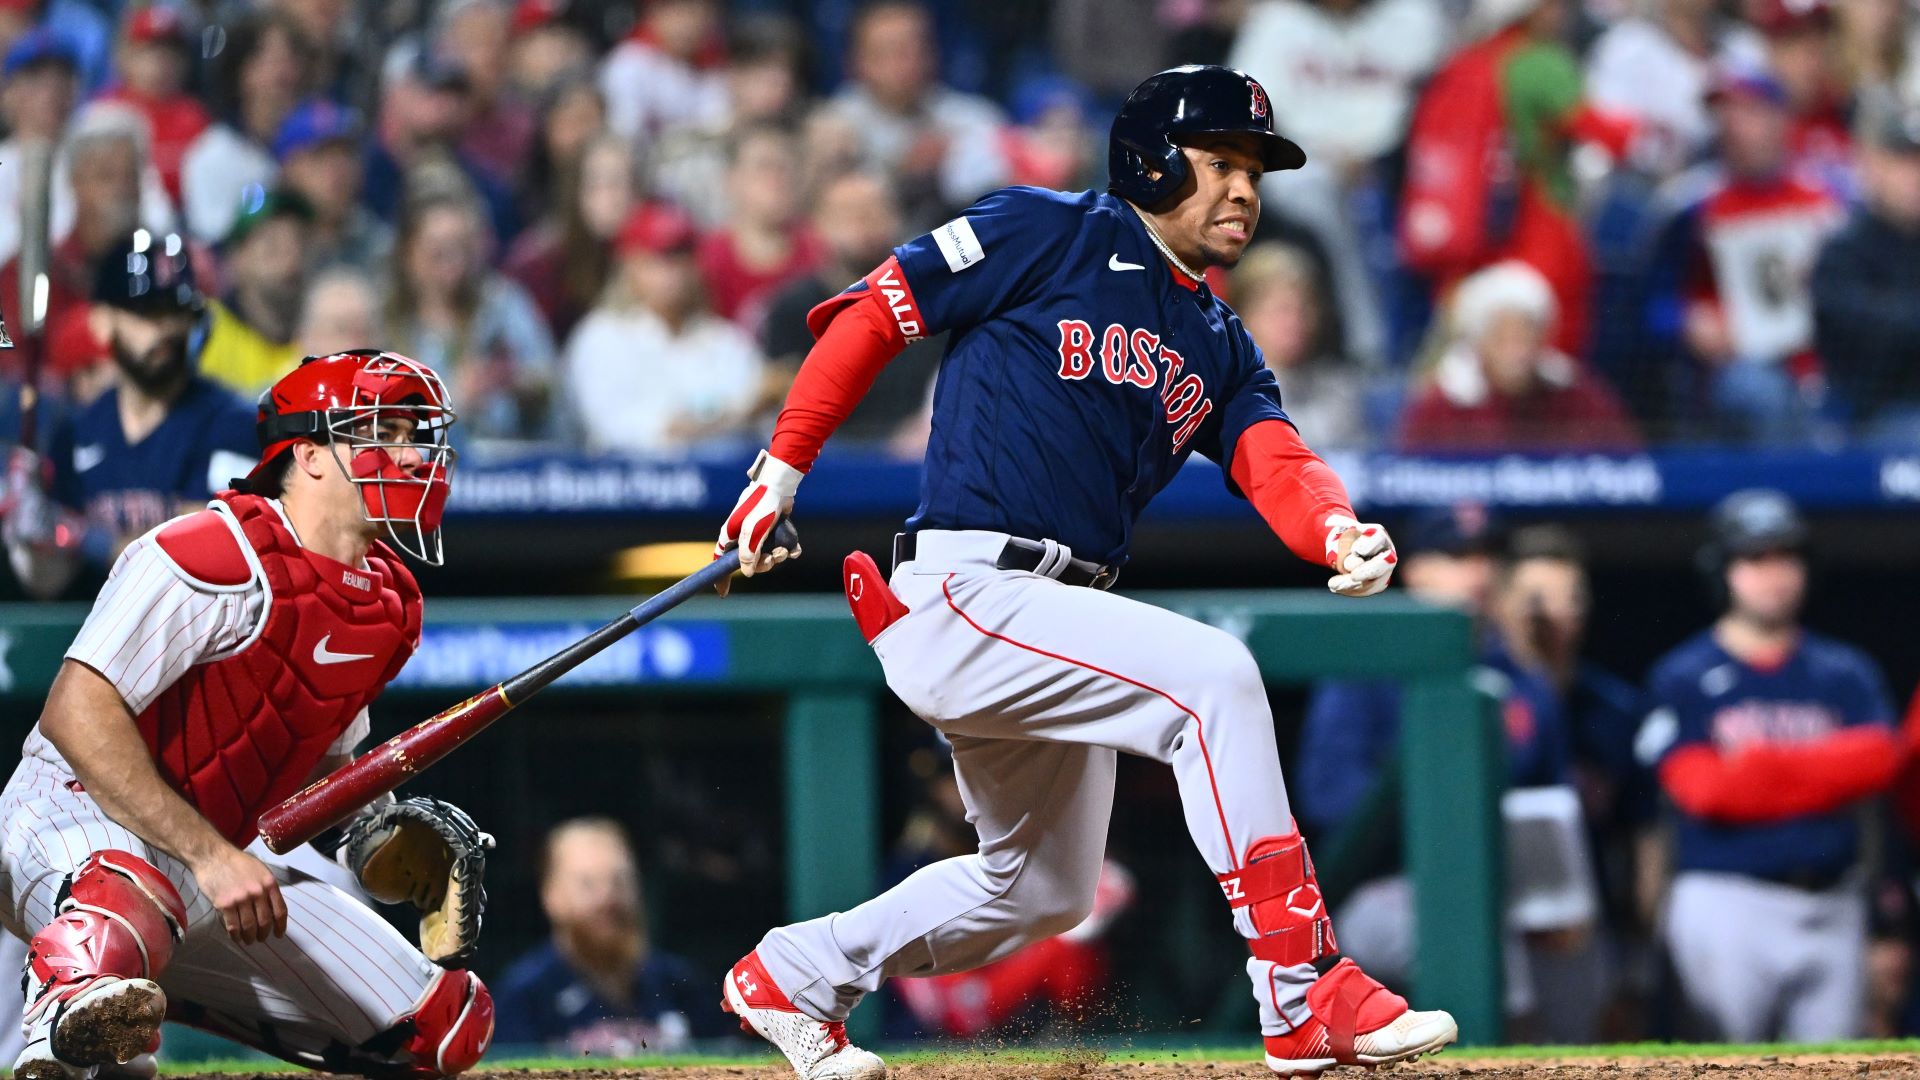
(1773, 782)
(1291, 487)
(856, 334)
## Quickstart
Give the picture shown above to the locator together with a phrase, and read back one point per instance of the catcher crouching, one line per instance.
(228, 661)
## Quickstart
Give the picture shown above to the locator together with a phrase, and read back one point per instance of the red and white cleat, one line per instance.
(107, 1023)
(818, 1050)
(1356, 1021)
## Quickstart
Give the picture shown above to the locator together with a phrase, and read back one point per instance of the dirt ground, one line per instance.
(1070, 1065)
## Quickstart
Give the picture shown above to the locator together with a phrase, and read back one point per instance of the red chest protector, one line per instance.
(239, 734)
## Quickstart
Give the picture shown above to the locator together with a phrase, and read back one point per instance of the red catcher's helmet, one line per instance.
(342, 399)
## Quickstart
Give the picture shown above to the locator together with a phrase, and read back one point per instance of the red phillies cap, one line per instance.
(531, 15)
(658, 229)
(156, 22)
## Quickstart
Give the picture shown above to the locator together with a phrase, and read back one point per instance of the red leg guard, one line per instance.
(118, 916)
(1289, 916)
(452, 1025)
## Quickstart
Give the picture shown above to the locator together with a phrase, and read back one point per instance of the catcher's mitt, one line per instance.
(430, 854)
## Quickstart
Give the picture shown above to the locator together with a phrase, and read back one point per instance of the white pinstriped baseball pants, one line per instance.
(1039, 686)
(341, 975)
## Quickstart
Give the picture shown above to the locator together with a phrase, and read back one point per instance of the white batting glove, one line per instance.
(1362, 556)
(765, 501)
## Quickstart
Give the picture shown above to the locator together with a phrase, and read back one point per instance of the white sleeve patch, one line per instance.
(957, 242)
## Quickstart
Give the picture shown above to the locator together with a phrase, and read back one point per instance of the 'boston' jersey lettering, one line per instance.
(1074, 385)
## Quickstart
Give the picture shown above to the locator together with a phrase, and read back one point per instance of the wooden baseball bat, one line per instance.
(36, 199)
(333, 798)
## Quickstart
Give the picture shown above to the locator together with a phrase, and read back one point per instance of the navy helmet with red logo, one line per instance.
(1178, 104)
(345, 399)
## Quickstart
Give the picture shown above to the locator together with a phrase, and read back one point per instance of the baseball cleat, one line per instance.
(109, 1021)
(817, 1049)
(1356, 1021)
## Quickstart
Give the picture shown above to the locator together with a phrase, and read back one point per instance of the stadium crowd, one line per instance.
(1525, 224)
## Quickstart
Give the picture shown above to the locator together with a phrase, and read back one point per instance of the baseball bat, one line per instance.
(333, 798)
(36, 199)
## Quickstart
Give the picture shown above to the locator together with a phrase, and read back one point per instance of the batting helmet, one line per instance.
(344, 399)
(1753, 521)
(1199, 99)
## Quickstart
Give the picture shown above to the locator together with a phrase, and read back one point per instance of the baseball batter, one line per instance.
(1087, 359)
(229, 660)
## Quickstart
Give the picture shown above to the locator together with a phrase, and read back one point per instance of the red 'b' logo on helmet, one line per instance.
(1259, 107)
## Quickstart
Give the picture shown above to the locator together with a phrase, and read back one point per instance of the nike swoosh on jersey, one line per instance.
(1114, 263)
(324, 655)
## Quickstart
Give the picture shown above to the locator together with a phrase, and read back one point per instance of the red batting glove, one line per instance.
(761, 506)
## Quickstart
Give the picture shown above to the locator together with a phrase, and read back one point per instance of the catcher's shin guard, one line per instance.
(451, 1027)
(1290, 921)
(91, 999)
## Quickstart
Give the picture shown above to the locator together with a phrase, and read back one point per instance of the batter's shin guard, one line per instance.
(90, 995)
(451, 1028)
(1290, 923)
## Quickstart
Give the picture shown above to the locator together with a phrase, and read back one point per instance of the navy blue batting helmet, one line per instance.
(1199, 99)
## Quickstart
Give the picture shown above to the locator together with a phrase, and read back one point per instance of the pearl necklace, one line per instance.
(1162, 245)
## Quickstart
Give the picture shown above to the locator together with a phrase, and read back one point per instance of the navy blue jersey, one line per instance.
(1700, 695)
(206, 439)
(543, 1001)
(1079, 373)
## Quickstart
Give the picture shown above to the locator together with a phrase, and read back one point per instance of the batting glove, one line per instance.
(1362, 556)
(761, 506)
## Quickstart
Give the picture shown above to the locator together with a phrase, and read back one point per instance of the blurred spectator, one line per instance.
(565, 261)
(857, 220)
(250, 331)
(84, 26)
(1516, 90)
(1866, 324)
(1051, 141)
(422, 116)
(599, 986)
(571, 116)
(1657, 68)
(163, 438)
(1879, 51)
(1341, 74)
(546, 48)
(1767, 738)
(97, 199)
(668, 73)
(475, 36)
(342, 312)
(1279, 298)
(1738, 257)
(765, 242)
(1110, 45)
(1500, 386)
(941, 147)
(155, 61)
(476, 327)
(1802, 49)
(689, 164)
(38, 80)
(264, 70)
(652, 369)
(319, 148)
(347, 40)
(1063, 977)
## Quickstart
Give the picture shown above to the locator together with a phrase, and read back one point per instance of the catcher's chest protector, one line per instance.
(239, 734)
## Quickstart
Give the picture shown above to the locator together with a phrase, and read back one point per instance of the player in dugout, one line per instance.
(229, 660)
(1087, 358)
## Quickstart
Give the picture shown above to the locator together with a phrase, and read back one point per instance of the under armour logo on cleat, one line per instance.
(746, 983)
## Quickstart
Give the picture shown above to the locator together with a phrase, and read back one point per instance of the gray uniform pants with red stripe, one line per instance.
(341, 976)
(1039, 686)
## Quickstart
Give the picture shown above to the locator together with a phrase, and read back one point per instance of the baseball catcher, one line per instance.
(229, 659)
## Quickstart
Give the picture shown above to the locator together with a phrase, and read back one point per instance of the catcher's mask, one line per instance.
(351, 399)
